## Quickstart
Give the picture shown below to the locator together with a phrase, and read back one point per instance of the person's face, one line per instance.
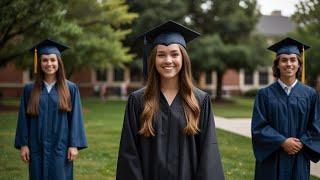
(49, 64)
(168, 61)
(288, 65)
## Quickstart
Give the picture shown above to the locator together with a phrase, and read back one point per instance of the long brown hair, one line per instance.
(276, 71)
(152, 96)
(61, 85)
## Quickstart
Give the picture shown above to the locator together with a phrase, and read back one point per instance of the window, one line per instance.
(118, 74)
(248, 77)
(101, 75)
(263, 77)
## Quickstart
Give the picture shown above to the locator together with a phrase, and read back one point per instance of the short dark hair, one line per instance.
(276, 71)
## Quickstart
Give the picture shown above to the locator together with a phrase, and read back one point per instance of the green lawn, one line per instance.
(103, 121)
(235, 107)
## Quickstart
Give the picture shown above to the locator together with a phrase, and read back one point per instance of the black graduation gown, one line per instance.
(277, 116)
(50, 134)
(169, 155)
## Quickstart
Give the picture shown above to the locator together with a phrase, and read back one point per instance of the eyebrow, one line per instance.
(170, 51)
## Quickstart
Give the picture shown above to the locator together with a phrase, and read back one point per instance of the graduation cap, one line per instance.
(167, 33)
(291, 46)
(47, 47)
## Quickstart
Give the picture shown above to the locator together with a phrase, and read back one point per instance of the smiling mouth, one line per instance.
(168, 68)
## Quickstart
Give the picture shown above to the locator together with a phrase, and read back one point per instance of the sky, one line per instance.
(287, 7)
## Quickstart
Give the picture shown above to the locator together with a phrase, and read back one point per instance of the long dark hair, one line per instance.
(61, 85)
(152, 96)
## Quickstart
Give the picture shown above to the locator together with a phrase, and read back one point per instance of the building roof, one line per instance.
(275, 25)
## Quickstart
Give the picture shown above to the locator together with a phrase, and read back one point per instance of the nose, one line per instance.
(168, 59)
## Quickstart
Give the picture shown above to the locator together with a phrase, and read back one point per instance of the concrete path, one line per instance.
(242, 126)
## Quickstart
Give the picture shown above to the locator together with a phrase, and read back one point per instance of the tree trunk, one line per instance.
(219, 85)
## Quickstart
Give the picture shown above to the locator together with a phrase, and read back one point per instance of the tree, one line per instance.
(23, 22)
(234, 22)
(99, 45)
(93, 29)
(307, 15)
(210, 53)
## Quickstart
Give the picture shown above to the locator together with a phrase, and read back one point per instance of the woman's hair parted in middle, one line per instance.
(62, 88)
(152, 96)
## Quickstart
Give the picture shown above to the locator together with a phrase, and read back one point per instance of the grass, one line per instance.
(103, 122)
(235, 107)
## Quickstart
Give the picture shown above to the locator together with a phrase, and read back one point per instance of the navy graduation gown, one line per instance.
(50, 134)
(277, 116)
(170, 154)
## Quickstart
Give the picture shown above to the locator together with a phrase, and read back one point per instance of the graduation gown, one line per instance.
(170, 154)
(50, 134)
(277, 116)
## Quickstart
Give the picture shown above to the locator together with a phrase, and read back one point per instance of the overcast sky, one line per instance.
(287, 7)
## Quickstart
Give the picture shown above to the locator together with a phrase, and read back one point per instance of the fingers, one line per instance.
(25, 156)
(72, 154)
(292, 145)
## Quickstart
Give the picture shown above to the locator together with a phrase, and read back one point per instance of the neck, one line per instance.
(169, 85)
(49, 79)
(288, 81)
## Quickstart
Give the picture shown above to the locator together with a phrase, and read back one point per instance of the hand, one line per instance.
(72, 153)
(25, 153)
(292, 145)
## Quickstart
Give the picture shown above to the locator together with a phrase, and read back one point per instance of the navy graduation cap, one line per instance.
(47, 47)
(167, 33)
(289, 46)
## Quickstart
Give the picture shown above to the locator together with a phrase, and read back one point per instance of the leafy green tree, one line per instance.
(234, 22)
(307, 15)
(23, 22)
(94, 30)
(99, 45)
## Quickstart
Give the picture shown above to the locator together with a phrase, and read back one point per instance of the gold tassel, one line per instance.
(303, 66)
(35, 61)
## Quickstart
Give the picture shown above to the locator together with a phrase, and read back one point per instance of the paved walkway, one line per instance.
(242, 126)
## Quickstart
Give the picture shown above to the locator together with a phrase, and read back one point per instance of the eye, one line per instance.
(160, 55)
(44, 60)
(175, 54)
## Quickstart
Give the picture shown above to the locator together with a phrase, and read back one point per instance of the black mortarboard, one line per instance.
(167, 33)
(47, 47)
(289, 46)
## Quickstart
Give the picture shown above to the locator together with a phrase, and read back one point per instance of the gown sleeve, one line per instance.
(311, 137)
(265, 139)
(77, 135)
(210, 166)
(22, 131)
(129, 165)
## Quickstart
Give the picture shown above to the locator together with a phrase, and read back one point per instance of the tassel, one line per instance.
(303, 66)
(35, 61)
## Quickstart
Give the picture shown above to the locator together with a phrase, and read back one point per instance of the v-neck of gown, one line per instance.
(163, 98)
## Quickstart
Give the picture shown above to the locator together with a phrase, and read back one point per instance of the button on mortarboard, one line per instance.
(167, 33)
(288, 46)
